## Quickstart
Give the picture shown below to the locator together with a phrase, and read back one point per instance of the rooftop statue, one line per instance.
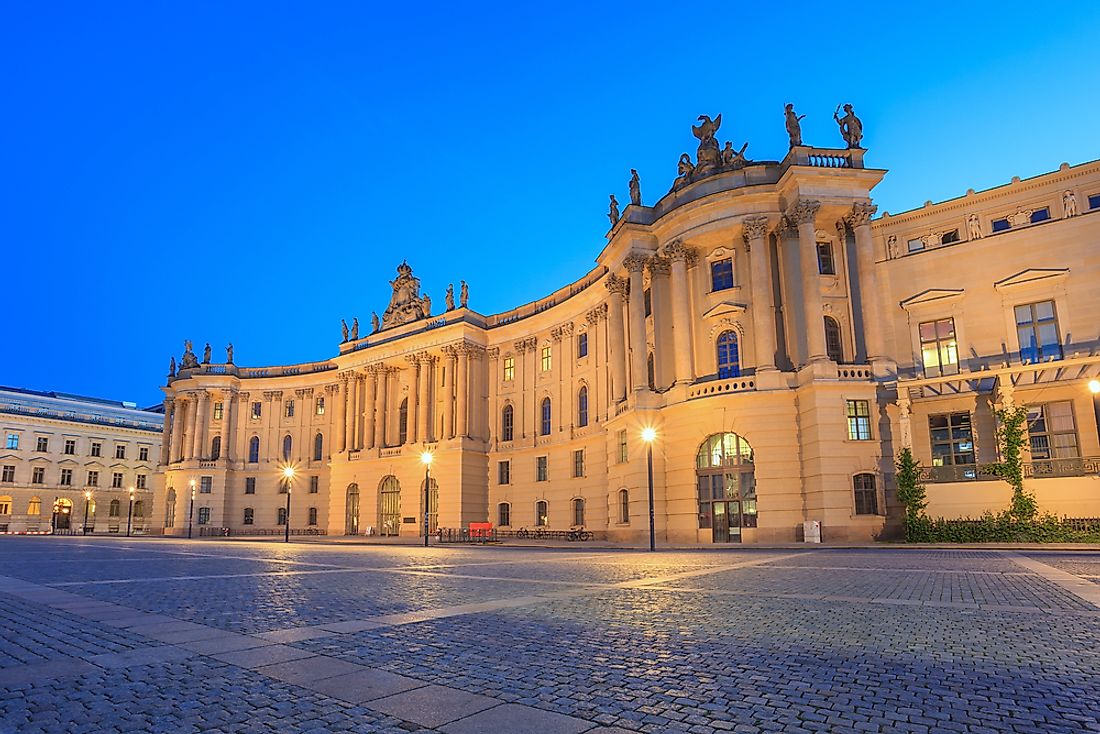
(172, 368)
(374, 325)
(851, 128)
(707, 156)
(189, 361)
(206, 354)
(229, 353)
(406, 304)
(1069, 204)
(684, 169)
(710, 159)
(635, 188)
(734, 159)
(463, 295)
(613, 210)
(344, 328)
(449, 298)
(794, 125)
(355, 328)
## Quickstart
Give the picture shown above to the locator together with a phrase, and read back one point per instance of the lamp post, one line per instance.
(191, 512)
(649, 435)
(288, 477)
(130, 515)
(87, 501)
(426, 459)
(53, 517)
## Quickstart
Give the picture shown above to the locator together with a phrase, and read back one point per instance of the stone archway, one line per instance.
(726, 479)
(389, 506)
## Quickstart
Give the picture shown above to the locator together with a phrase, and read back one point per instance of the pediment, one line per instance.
(1032, 276)
(725, 308)
(937, 296)
(9, 456)
(68, 461)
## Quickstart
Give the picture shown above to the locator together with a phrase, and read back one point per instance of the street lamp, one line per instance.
(130, 516)
(426, 459)
(288, 477)
(87, 501)
(191, 513)
(649, 435)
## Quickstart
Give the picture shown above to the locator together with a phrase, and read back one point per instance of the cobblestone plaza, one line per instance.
(108, 635)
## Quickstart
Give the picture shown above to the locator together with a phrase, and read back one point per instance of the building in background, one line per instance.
(783, 342)
(62, 454)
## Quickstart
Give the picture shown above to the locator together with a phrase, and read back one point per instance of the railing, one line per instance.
(494, 535)
(390, 452)
(721, 387)
(854, 373)
(69, 415)
(209, 532)
(826, 157)
(354, 455)
(1040, 469)
(558, 296)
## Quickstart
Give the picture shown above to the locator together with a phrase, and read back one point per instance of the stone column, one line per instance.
(370, 397)
(228, 411)
(381, 400)
(462, 390)
(639, 377)
(874, 338)
(905, 423)
(349, 410)
(803, 213)
(659, 268)
(763, 305)
(192, 424)
(616, 288)
(413, 406)
(166, 435)
(340, 441)
(449, 367)
(424, 418)
(683, 347)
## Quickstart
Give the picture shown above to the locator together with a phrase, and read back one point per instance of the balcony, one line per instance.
(1041, 469)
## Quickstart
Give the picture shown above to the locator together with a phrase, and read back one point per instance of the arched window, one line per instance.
(280, 516)
(542, 513)
(389, 506)
(170, 508)
(578, 512)
(312, 516)
(254, 450)
(139, 508)
(866, 494)
(545, 428)
(729, 359)
(582, 406)
(726, 480)
(834, 347)
(351, 510)
(288, 444)
(403, 421)
(624, 506)
(504, 514)
(114, 508)
(433, 506)
(34, 507)
(318, 447)
(249, 516)
(216, 448)
(651, 372)
(507, 423)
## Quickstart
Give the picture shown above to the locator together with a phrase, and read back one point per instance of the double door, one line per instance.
(727, 521)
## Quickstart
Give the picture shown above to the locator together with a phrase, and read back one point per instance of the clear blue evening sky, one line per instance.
(254, 171)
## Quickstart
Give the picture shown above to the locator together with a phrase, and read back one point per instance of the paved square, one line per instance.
(152, 635)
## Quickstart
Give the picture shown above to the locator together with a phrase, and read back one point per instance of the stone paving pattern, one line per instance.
(115, 636)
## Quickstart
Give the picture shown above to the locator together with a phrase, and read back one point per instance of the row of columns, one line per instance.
(187, 423)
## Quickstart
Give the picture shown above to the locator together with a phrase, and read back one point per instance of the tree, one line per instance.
(1011, 439)
(912, 496)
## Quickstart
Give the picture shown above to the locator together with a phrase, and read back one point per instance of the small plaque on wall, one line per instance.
(409, 520)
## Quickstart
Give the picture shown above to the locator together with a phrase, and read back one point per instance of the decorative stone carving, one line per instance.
(658, 265)
(344, 329)
(635, 263)
(273, 395)
(615, 284)
(188, 361)
(355, 329)
(851, 128)
(463, 295)
(229, 353)
(597, 314)
(172, 367)
(677, 250)
(406, 304)
(892, 246)
(794, 125)
(374, 325)
(493, 352)
(449, 298)
(450, 350)
(685, 169)
(332, 388)
(1069, 204)
(862, 213)
(754, 228)
(974, 227)
(707, 155)
(303, 392)
(734, 159)
(206, 354)
(635, 188)
(613, 210)
(524, 345)
(803, 211)
(1020, 217)
(242, 397)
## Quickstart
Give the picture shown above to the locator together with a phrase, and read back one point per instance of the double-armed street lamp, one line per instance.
(288, 478)
(649, 435)
(87, 502)
(130, 516)
(191, 512)
(426, 459)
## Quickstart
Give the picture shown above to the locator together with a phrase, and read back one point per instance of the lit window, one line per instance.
(542, 513)
(43, 444)
(204, 516)
(1052, 431)
(825, 263)
(509, 368)
(582, 345)
(859, 420)
(257, 410)
(578, 463)
(952, 439)
(866, 494)
(34, 507)
(721, 274)
(545, 423)
(1037, 329)
(13, 440)
(5, 505)
(729, 361)
(541, 470)
(938, 347)
(289, 407)
(218, 411)
(504, 472)
(504, 514)
(320, 406)
(206, 485)
(546, 359)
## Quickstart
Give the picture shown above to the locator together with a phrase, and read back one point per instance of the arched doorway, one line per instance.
(170, 509)
(389, 506)
(433, 506)
(63, 511)
(726, 479)
(351, 510)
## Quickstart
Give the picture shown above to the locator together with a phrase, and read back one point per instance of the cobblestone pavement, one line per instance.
(112, 635)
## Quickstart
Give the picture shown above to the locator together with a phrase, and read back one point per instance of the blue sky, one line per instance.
(253, 172)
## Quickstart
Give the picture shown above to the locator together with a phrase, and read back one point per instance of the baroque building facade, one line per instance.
(782, 342)
(63, 455)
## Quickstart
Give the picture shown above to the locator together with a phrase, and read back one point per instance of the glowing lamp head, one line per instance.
(649, 434)
(1094, 387)
(288, 472)
(88, 494)
(426, 458)
(131, 492)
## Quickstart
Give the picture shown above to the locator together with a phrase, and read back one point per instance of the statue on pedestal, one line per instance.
(974, 227)
(373, 322)
(794, 125)
(344, 328)
(172, 368)
(206, 354)
(355, 328)
(635, 188)
(613, 210)
(463, 295)
(449, 299)
(1069, 204)
(189, 361)
(734, 159)
(851, 128)
(427, 305)
(707, 156)
(229, 353)
(684, 170)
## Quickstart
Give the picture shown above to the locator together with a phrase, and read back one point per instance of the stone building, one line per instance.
(62, 454)
(782, 342)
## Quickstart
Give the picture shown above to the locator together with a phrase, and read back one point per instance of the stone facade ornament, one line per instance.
(613, 210)
(493, 353)
(658, 265)
(677, 250)
(754, 228)
(685, 169)
(794, 125)
(229, 353)
(449, 298)
(862, 213)
(1069, 204)
(615, 284)
(206, 354)
(344, 329)
(635, 188)
(707, 155)
(406, 304)
(635, 263)
(892, 246)
(1020, 217)
(463, 295)
(851, 128)
(734, 159)
(974, 227)
(172, 368)
(596, 315)
(374, 325)
(189, 361)
(803, 211)
(355, 329)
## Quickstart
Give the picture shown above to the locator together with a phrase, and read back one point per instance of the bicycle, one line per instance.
(579, 533)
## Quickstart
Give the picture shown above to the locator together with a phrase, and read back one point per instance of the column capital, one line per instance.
(303, 392)
(493, 352)
(524, 345)
(635, 262)
(599, 313)
(560, 332)
(450, 351)
(332, 387)
(677, 251)
(754, 228)
(616, 285)
(862, 213)
(242, 397)
(273, 395)
(658, 265)
(803, 211)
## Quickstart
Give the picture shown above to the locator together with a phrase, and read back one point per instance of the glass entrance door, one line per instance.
(727, 522)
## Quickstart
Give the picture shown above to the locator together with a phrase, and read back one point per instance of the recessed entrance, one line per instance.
(726, 480)
(389, 506)
(351, 511)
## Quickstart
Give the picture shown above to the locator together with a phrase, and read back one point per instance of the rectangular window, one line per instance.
(116, 480)
(5, 509)
(582, 345)
(1037, 329)
(249, 516)
(97, 448)
(320, 406)
(578, 463)
(547, 360)
(1052, 431)
(312, 516)
(93, 479)
(509, 368)
(1000, 225)
(70, 446)
(204, 516)
(206, 485)
(250, 485)
(314, 484)
(859, 420)
(647, 301)
(952, 439)
(66, 477)
(916, 244)
(13, 440)
(622, 447)
(1094, 201)
(9, 473)
(504, 472)
(825, 263)
(289, 408)
(1040, 215)
(143, 453)
(721, 274)
(866, 494)
(38, 475)
(948, 237)
(120, 452)
(257, 410)
(504, 515)
(280, 516)
(939, 348)
(218, 409)
(141, 481)
(43, 444)
(541, 469)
